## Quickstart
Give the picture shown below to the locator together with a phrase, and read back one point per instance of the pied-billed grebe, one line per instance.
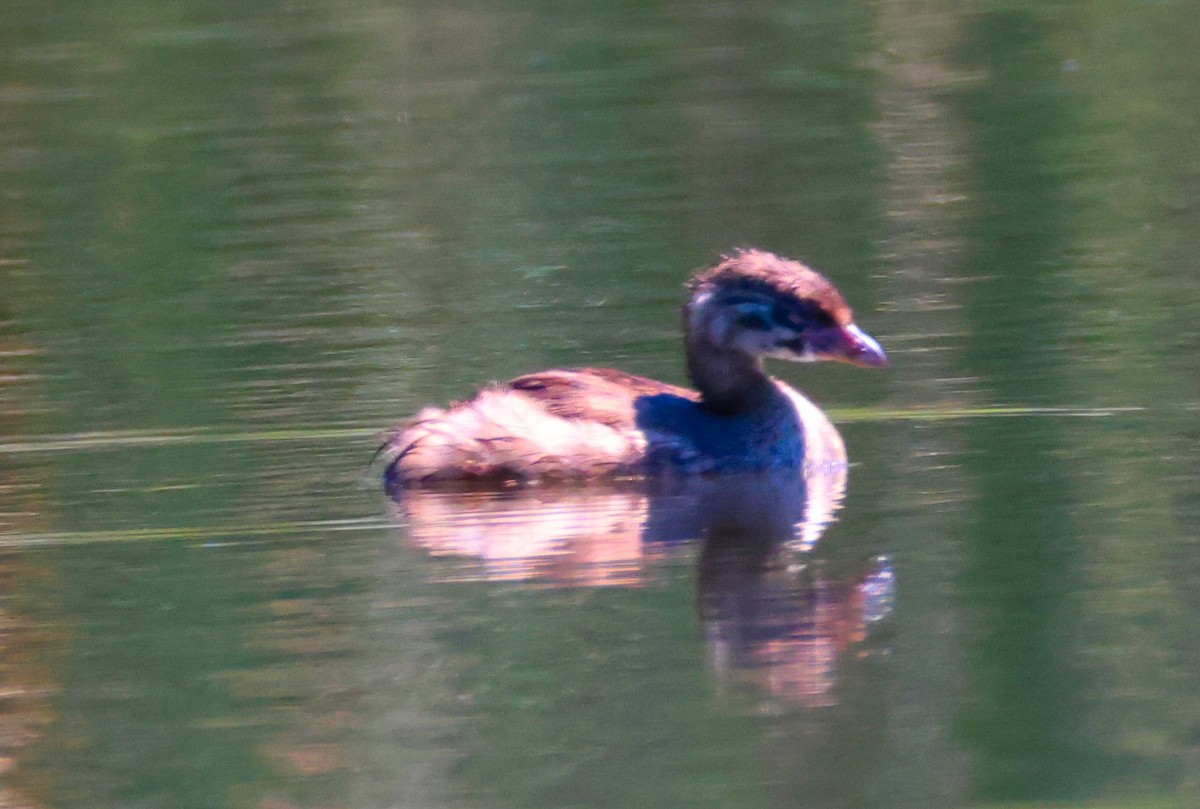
(598, 422)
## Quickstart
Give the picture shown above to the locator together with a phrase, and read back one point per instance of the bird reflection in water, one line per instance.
(780, 623)
(771, 617)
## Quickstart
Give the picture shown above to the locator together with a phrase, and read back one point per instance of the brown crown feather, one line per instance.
(759, 269)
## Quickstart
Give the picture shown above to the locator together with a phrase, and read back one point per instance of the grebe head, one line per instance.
(758, 304)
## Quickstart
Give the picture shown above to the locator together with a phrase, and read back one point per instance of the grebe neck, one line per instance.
(730, 382)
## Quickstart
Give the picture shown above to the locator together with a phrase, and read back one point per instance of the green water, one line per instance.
(236, 242)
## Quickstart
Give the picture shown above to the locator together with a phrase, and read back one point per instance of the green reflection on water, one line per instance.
(1043, 570)
(1022, 565)
(238, 240)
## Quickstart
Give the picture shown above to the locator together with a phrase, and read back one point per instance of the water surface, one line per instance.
(237, 243)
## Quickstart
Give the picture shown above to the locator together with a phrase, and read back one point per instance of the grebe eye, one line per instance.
(753, 320)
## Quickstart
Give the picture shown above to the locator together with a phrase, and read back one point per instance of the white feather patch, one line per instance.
(507, 432)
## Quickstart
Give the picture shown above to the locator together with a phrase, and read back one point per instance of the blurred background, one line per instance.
(237, 241)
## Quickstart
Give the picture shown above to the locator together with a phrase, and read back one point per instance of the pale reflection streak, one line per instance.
(771, 618)
(583, 537)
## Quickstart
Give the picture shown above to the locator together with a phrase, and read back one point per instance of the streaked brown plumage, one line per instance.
(598, 422)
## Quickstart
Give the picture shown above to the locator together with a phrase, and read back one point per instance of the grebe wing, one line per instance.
(603, 395)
